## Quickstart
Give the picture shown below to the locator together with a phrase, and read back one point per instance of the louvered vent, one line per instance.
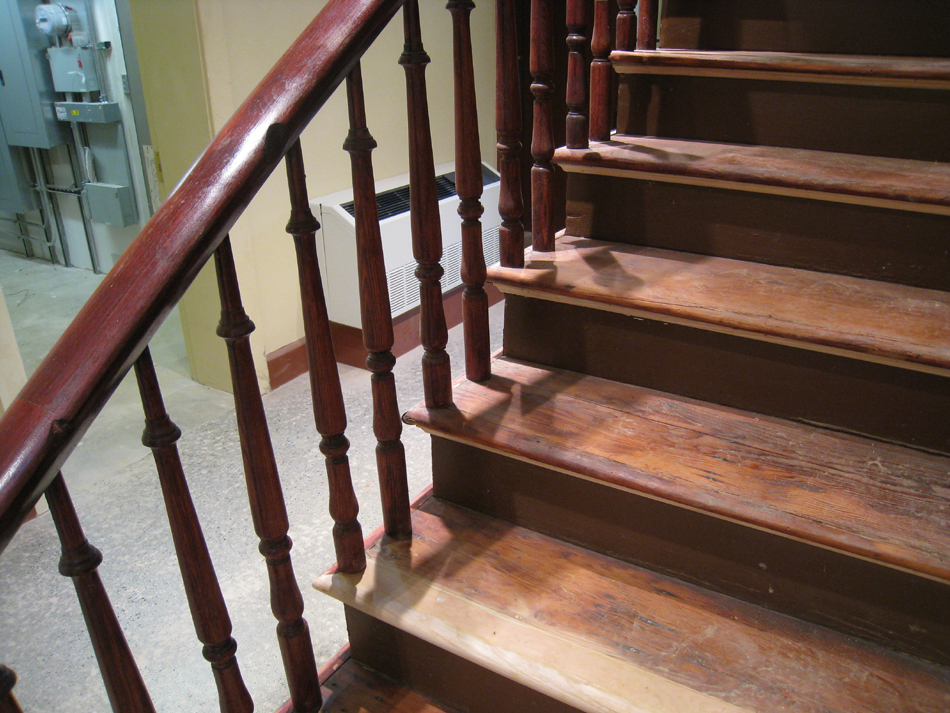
(404, 287)
(396, 200)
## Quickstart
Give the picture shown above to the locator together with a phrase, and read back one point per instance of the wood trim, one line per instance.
(290, 361)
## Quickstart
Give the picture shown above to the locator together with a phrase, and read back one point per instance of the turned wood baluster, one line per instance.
(626, 24)
(541, 64)
(424, 217)
(208, 610)
(376, 318)
(646, 25)
(80, 561)
(8, 702)
(601, 73)
(508, 129)
(576, 127)
(468, 185)
(268, 510)
(329, 412)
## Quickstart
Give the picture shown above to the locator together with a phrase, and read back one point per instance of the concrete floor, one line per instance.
(114, 487)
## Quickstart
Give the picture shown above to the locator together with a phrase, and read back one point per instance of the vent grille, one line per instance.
(404, 287)
(396, 200)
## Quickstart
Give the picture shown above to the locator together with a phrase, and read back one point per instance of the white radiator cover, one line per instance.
(336, 245)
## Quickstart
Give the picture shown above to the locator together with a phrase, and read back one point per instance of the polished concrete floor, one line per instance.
(114, 487)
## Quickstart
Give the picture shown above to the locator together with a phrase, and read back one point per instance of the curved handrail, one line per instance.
(59, 402)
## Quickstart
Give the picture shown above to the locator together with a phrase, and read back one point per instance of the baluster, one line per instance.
(8, 702)
(268, 510)
(329, 413)
(542, 137)
(646, 25)
(468, 185)
(80, 561)
(208, 610)
(376, 318)
(576, 134)
(508, 128)
(424, 216)
(601, 73)
(626, 21)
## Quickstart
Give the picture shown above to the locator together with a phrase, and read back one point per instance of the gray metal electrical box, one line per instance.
(16, 193)
(74, 69)
(26, 83)
(110, 204)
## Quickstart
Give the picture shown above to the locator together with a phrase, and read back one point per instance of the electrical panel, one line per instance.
(16, 193)
(26, 83)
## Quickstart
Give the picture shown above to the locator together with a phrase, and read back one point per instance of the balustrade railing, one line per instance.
(110, 335)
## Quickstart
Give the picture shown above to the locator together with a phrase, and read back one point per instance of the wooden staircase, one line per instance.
(711, 470)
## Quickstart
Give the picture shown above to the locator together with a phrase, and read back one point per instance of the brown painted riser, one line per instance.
(890, 27)
(876, 243)
(883, 605)
(440, 674)
(870, 399)
(876, 121)
(353, 687)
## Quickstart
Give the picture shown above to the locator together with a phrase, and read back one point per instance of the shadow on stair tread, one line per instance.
(865, 498)
(354, 688)
(901, 184)
(822, 311)
(604, 635)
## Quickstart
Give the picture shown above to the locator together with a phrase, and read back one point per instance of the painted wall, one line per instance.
(236, 48)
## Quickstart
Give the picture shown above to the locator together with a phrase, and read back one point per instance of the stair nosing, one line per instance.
(919, 561)
(720, 165)
(870, 70)
(915, 356)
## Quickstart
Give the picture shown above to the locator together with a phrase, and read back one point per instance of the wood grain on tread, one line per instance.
(922, 72)
(614, 637)
(356, 689)
(878, 321)
(900, 184)
(858, 496)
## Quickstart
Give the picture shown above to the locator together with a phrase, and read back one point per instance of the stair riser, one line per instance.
(877, 121)
(883, 605)
(894, 246)
(870, 399)
(438, 674)
(890, 27)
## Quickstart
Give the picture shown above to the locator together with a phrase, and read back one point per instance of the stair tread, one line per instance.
(353, 687)
(880, 321)
(604, 635)
(865, 498)
(927, 72)
(873, 180)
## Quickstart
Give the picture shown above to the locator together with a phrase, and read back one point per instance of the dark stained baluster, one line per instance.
(468, 185)
(376, 321)
(626, 24)
(601, 73)
(208, 610)
(576, 128)
(424, 217)
(508, 128)
(80, 561)
(8, 702)
(329, 413)
(646, 25)
(264, 492)
(542, 137)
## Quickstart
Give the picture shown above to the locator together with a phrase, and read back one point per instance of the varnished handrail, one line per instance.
(45, 422)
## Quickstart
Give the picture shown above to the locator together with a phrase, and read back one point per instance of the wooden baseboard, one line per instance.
(290, 361)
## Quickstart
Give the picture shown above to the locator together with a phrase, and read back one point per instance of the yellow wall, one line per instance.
(236, 47)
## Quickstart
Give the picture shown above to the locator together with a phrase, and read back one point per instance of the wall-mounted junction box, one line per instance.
(110, 204)
(88, 112)
(74, 69)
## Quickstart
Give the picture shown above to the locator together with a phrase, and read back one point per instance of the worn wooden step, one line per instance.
(877, 321)
(857, 496)
(916, 72)
(603, 635)
(353, 688)
(848, 178)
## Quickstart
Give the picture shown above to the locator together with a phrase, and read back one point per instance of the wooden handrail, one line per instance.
(52, 412)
